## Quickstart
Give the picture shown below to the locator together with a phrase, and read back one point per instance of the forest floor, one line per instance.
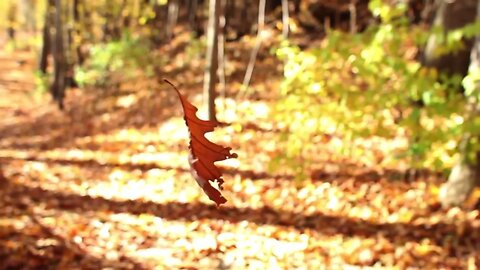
(106, 185)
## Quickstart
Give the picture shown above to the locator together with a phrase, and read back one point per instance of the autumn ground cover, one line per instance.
(106, 185)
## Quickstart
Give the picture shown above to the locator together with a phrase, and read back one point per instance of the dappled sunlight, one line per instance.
(129, 193)
(243, 112)
(151, 231)
(330, 130)
(109, 182)
(126, 157)
(296, 223)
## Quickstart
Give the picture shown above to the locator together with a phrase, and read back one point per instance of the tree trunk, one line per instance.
(172, 18)
(58, 86)
(210, 75)
(256, 47)
(229, 14)
(450, 15)
(193, 18)
(465, 175)
(77, 25)
(285, 19)
(245, 27)
(221, 49)
(46, 40)
(157, 24)
(296, 7)
(461, 181)
(72, 48)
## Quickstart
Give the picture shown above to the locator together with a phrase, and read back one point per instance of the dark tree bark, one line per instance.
(244, 20)
(46, 39)
(60, 67)
(296, 7)
(76, 24)
(451, 15)
(157, 24)
(193, 18)
(229, 14)
(239, 18)
(210, 75)
(72, 48)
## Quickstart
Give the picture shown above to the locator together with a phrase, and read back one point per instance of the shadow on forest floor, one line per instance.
(40, 245)
(360, 174)
(53, 129)
(399, 233)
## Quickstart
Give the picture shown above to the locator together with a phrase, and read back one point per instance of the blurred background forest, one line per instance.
(356, 125)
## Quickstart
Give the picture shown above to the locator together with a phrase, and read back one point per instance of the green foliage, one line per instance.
(370, 84)
(123, 58)
(41, 84)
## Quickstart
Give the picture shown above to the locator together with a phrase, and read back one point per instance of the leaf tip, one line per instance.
(172, 85)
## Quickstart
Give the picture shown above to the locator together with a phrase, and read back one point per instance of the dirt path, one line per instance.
(16, 79)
